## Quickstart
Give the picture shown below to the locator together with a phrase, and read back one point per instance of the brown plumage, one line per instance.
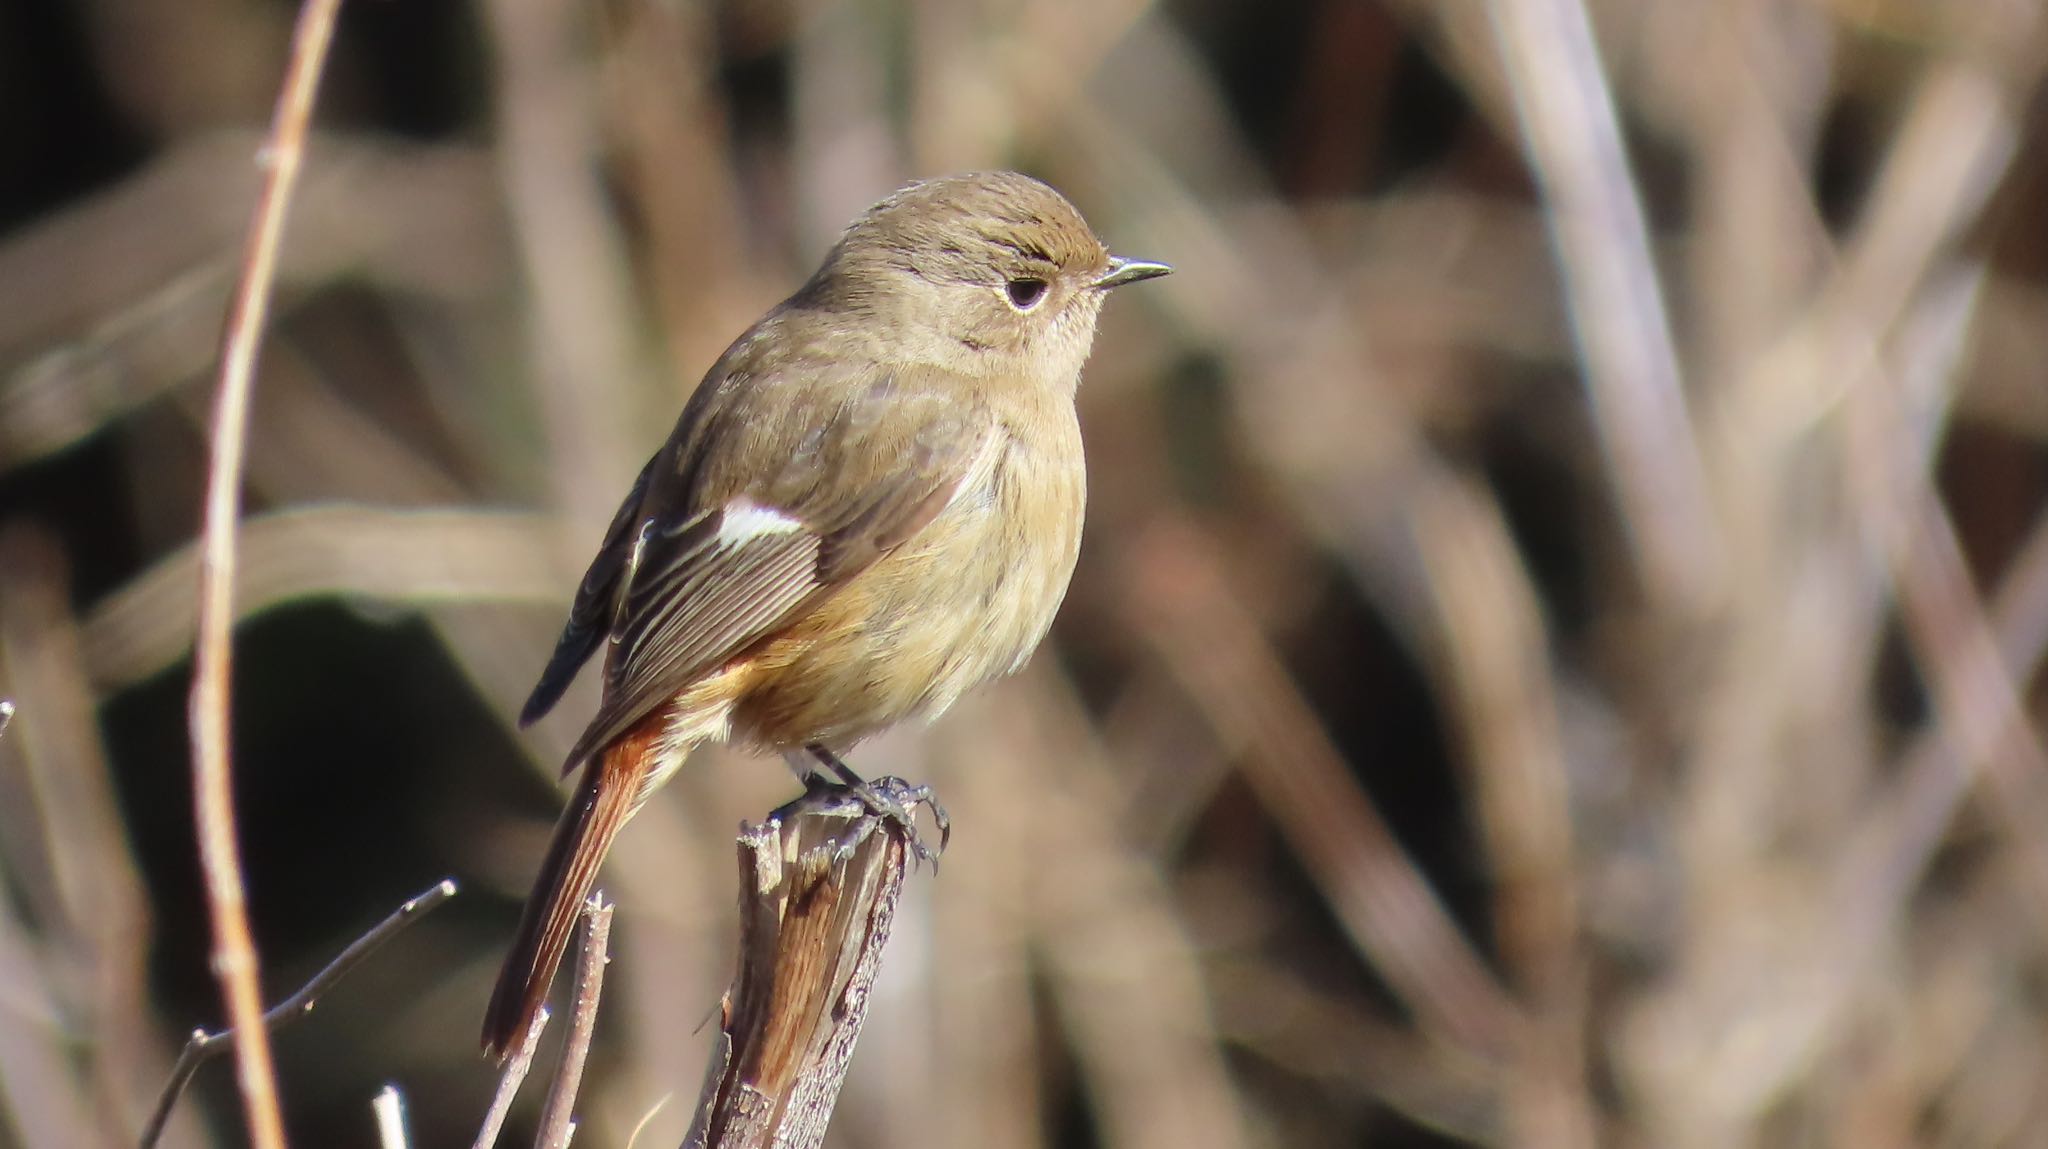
(871, 504)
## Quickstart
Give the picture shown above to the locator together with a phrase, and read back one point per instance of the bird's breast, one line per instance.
(968, 599)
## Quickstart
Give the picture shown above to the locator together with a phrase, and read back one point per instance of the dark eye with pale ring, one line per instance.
(1025, 294)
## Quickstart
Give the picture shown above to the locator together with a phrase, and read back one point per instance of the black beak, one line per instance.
(1122, 271)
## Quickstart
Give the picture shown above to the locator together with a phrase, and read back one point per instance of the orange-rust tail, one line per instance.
(611, 790)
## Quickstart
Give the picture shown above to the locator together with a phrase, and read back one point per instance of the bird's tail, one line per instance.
(612, 788)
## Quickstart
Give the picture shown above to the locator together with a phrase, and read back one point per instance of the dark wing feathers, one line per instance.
(591, 615)
(703, 601)
(680, 595)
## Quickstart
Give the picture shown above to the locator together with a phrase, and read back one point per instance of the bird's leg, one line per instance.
(892, 799)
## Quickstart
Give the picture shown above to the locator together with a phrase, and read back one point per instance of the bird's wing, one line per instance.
(737, 548)
(591, 615)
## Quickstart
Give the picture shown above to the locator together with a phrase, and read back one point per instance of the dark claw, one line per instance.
(907, 798)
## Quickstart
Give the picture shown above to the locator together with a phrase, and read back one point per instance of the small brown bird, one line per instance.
(871, 504)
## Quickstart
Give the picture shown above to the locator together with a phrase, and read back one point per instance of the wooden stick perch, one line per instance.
(818, 892)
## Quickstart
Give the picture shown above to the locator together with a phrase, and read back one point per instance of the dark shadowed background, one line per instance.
(1508, 697)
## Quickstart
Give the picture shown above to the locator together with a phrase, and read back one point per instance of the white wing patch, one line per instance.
(743, 521)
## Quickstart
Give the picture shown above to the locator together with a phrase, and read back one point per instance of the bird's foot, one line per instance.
(869, 805)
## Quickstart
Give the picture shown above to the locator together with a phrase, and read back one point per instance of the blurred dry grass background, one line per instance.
(1552, 666)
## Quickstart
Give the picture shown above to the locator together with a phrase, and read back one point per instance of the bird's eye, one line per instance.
(1025, 294)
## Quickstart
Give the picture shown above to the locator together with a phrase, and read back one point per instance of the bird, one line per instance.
(870, 504)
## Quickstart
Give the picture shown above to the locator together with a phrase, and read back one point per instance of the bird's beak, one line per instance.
(1122, 271)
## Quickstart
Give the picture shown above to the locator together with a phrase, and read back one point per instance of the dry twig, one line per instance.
(234, 951)
(85, 891)
(509, 1082)
(1385, 904)
(1569, 124)
(422, 556)
(204, 1045)
(557, 1117)
(389, 1107)
(1122, 974)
